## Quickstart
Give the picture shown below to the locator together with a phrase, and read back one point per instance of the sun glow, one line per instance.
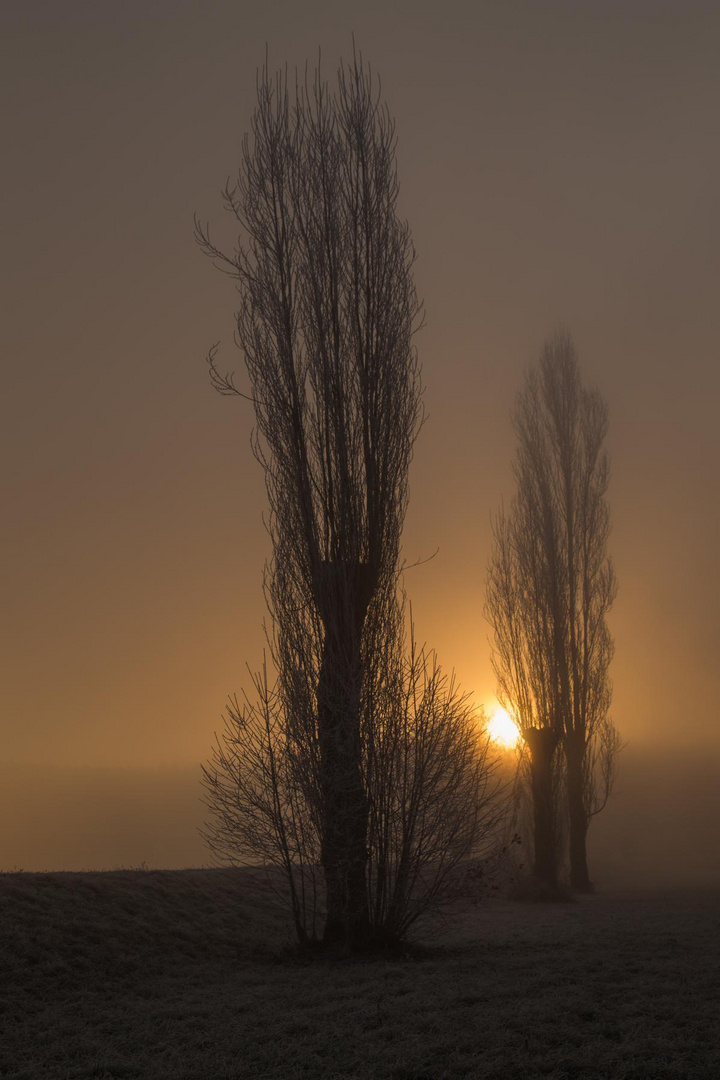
(502, 729)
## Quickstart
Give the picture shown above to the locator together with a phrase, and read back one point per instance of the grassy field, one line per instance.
(186, 975)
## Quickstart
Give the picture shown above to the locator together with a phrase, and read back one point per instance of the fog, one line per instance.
(558, 163)
(658, 831)
(100, 819)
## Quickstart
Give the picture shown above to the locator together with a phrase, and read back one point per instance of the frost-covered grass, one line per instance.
(186, 975)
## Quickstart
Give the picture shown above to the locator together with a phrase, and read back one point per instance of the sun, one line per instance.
(502, 729)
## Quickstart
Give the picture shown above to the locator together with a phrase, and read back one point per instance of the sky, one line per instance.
(558, 166)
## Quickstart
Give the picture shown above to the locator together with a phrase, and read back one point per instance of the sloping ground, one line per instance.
(182, 975)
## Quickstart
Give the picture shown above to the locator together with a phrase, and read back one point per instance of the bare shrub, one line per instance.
(433, 794)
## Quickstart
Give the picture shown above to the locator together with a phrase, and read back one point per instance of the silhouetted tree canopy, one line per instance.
(327, 313)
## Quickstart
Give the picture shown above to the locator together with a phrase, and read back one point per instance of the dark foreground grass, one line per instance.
(185, 975)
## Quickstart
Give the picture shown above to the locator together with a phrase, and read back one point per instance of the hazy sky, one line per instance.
(559, 163)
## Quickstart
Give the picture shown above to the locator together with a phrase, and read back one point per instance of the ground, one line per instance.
(187, 975)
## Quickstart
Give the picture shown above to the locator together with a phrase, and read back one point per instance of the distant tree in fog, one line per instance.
(327, 314)
(550, 586)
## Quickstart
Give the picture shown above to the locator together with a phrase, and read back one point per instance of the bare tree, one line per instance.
(433, 794)
(550, 586)
(327, 313)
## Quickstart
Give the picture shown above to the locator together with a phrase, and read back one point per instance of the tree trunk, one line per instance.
(344, 824)
(577, 814)
(542, 743)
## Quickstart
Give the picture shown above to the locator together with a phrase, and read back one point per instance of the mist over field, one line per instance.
(658, 830)
(99, 819)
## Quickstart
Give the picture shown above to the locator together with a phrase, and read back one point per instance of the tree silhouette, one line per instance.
(550, 586)
(327, 313)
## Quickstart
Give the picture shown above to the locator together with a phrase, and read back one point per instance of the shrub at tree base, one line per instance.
(431, 786)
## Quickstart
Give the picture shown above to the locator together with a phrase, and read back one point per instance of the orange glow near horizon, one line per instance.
(502, 729)
(137, 512)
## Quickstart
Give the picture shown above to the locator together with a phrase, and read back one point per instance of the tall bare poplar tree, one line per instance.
(326, 318)
(550, 586)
